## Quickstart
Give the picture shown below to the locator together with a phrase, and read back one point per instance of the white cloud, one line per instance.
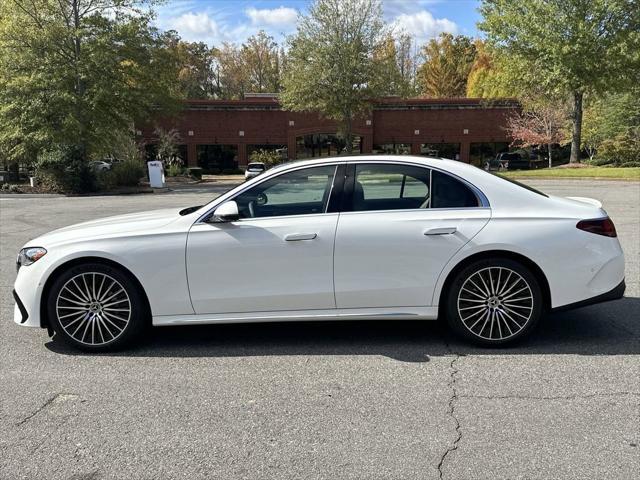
(423, 25)
(196, 26)
(274, 17)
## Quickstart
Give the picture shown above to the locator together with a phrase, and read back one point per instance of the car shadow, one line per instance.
(611, 328)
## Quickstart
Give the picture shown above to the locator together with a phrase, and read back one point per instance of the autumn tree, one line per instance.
(486, 77)
(260, 57)
(331, 65)
(447, 62)
(198, 68)
(569, 47)
(539, 123)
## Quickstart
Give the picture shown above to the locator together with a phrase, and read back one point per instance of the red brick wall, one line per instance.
(263, 122)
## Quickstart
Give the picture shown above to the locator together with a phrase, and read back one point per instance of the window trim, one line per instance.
(338, 191)
(347, 198)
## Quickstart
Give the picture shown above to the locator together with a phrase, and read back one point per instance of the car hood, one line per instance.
(118, 225)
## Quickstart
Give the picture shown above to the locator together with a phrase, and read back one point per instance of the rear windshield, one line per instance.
(253, 166)
(522, 185)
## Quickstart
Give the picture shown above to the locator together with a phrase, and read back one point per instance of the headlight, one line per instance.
(29, 255)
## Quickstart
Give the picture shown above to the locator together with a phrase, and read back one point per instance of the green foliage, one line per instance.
(566, 48)
(63, 169)
(175, 170)
(331, 64)
(268, 157)
(487, 78)
(79, 72)
(448, 62)
(394, 67)
(612, 128)
(167, 146)
(123, 174)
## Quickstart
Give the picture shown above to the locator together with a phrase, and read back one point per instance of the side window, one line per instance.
(390, 187)
(449, 192)
(301, 192)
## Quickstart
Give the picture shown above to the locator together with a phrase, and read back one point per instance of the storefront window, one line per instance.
(392, 149)
(324, 145)
(216, 159)
(480, 153)
(443, 150)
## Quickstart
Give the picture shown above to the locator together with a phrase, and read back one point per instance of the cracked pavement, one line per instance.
(375, 400)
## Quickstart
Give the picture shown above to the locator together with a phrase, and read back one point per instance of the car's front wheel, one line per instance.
(494, 302)
(96, 307)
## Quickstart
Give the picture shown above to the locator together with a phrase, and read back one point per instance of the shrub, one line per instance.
(268, 157)
(126, 174)
(175, 170)
(630, 164)
(64, 169)
(599, 162)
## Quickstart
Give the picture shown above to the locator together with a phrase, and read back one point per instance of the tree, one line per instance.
(486, 77)
(78, 72)
(198, 73)
(543, 125)
(167, 146)
(611, 128)
(569, 47)
(331, 64)
(394, 64)
(261, 60)
(447, 63)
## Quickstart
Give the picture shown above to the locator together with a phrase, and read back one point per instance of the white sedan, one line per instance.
(345, 238)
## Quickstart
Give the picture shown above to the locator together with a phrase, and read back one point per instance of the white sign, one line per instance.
(156, 174)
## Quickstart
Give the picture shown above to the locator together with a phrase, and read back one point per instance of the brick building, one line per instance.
(221, 134)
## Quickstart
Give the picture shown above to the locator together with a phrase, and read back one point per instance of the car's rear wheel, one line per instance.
(96, 307)
(494, 302)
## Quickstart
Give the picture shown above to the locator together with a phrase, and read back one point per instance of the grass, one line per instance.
(587, 172)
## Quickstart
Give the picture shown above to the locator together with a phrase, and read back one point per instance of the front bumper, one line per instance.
(614, 294)
(20, 314)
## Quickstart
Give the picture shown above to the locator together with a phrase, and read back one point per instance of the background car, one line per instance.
(99, 166)
(254, 169)
(378, 237)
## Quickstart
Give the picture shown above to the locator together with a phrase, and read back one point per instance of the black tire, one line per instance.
(493, 315)
(68, 298)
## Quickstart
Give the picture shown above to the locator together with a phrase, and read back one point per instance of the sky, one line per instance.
(217, 21)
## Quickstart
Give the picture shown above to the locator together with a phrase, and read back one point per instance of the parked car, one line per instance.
(361, 237)
(510, 161)
(99, 166)
(254, 169)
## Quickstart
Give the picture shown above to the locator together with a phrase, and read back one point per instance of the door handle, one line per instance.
(296, 237)
(441, 231)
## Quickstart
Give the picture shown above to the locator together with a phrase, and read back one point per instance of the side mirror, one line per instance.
(227, 212)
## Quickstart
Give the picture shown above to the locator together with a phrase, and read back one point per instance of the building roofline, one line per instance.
(387, 103)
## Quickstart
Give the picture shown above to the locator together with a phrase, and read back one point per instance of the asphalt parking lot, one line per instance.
(366, 400)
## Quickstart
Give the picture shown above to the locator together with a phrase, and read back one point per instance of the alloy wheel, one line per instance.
(495, 303)
(93, 308)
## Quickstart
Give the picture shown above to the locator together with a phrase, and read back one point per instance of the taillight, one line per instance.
(599, 226)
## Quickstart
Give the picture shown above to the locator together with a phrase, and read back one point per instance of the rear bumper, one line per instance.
(614, 294)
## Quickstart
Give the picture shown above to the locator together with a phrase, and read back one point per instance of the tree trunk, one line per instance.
(576, 135)
(348, 135)
(550, 157)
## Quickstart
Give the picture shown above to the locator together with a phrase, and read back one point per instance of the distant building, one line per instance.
(221, 134)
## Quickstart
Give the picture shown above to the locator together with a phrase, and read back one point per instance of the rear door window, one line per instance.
(390, 187)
